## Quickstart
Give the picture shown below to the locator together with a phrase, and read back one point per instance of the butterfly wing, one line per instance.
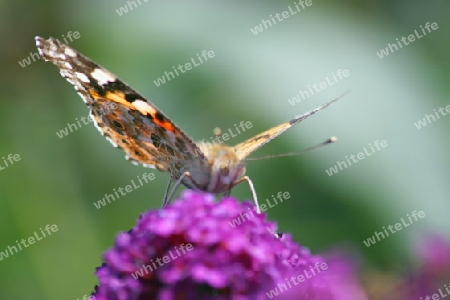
(244, 149)
(127, 120)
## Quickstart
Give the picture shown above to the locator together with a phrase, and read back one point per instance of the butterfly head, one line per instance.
(224, 167)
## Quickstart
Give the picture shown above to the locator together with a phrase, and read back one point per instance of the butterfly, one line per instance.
(148, 137)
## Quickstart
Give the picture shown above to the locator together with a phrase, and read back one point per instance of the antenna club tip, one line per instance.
(332, 139)
(217, 131)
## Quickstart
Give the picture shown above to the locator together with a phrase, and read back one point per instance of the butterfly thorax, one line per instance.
(223, 168)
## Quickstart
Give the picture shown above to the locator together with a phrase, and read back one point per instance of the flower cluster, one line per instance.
(224, 262)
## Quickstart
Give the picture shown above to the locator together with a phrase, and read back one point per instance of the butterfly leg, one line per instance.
(168, 198)
(165, 201)
(255, 199)
(252, 190)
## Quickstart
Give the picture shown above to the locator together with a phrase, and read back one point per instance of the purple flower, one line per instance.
(434, 253)
(198, 248)
(432, 275)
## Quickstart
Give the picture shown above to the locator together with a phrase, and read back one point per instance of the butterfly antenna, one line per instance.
(331, 140)
(300, 118)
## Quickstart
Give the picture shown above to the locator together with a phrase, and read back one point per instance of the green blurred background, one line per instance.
(251, 79)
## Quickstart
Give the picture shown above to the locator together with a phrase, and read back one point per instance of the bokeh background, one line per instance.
(251, 79)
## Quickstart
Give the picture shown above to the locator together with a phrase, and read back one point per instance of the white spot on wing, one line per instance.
(144, 107)
(102, 76)
(70, 52)
(67, 65)
(149, 166)
(82, 77)
(111, 141)
(86, 100)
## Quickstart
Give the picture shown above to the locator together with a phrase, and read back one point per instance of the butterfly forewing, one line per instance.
(126, 118)
(244, 149)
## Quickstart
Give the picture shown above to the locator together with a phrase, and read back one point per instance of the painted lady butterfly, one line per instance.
(148, 137)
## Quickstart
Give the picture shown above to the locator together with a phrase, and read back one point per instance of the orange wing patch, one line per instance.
(139, 105)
